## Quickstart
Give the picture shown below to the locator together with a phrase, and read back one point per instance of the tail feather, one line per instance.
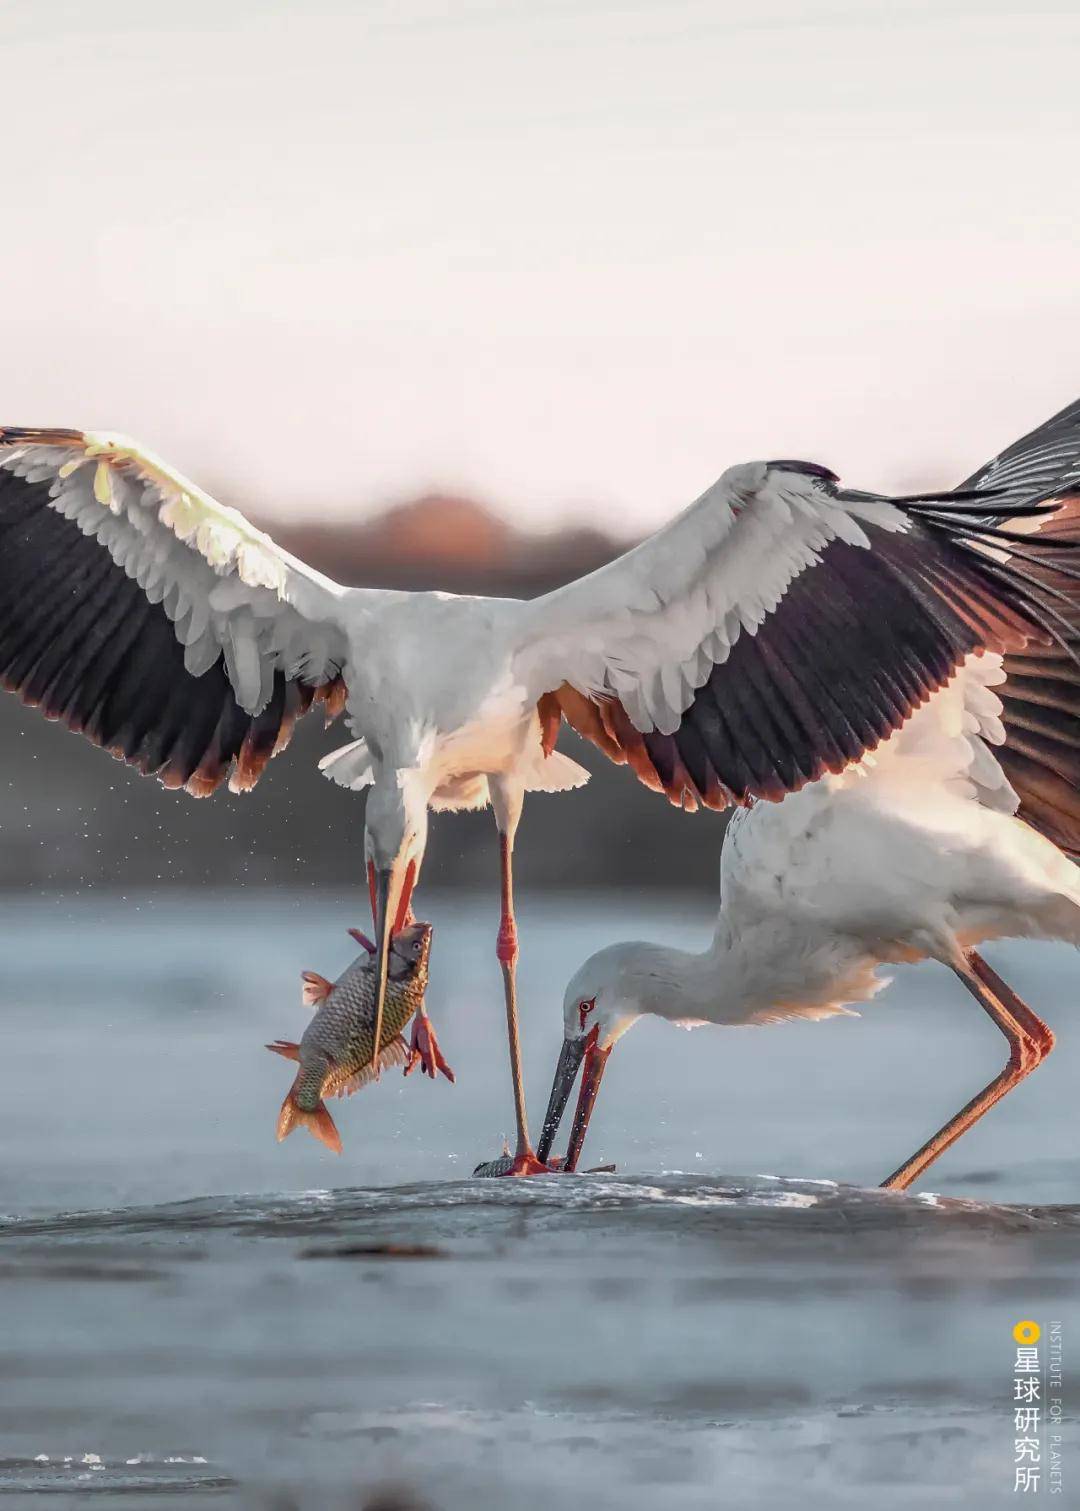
(318, 1122)
(349, 766)
(555, 773)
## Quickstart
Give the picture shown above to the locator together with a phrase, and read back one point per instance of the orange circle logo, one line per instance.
(1027, 1332)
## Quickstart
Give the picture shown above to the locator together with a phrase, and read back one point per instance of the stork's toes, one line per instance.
(424, 1050)
(527, 1164)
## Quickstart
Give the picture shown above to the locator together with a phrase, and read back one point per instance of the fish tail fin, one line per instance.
(285, 1048)
(318, 1122)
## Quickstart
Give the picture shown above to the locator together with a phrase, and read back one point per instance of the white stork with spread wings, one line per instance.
(778, 629)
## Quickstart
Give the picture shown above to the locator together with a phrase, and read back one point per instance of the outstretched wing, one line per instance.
(1040, 701)
(157, 622)
(781, 627)
(1044, 460)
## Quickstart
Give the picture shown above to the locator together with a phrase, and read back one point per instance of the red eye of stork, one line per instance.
(584, 1009)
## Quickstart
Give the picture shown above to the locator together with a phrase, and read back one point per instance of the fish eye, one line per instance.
(584, 1008)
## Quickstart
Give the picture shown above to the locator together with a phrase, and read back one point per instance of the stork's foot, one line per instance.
(526, 1163)
(424, 1050)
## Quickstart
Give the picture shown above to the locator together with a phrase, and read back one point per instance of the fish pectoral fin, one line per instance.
(394, 1053)
(314, 988)
(286, 1048)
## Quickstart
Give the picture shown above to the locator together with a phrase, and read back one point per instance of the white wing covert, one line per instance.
(154, 620)
(781, 627)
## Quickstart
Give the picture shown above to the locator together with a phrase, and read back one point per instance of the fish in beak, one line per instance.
(575, 1052)
(380, 896)
(387, 926)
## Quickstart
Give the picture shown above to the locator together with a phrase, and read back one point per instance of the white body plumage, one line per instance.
(913, 853)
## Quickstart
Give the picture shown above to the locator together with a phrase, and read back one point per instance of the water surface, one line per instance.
(193, 1312)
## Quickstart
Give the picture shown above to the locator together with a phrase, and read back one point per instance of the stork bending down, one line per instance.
(774, 632)
(923, 850)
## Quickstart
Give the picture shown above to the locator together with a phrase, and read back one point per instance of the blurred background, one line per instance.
(472, 296)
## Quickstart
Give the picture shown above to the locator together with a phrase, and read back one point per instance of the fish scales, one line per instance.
(343, 1027)
(334, 1052)
(492, 1167)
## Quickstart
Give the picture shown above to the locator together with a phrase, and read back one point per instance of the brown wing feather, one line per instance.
(855, 644)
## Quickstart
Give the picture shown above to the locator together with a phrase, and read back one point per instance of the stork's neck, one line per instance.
(730, 982)
(675, 984)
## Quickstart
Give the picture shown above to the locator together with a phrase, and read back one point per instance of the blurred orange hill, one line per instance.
(446, 541)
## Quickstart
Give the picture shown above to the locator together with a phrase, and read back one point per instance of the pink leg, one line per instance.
(1030, 1041)
(506, 948)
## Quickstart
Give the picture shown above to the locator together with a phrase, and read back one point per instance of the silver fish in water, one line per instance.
(494, 1167)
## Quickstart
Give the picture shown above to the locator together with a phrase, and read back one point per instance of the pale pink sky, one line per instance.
(560, 255)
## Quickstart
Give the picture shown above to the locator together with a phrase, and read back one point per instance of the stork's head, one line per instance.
(605, 997)
(395, 824)
(395, 835)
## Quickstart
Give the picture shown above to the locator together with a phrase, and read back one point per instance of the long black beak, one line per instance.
(570, 1057)
(595, 1065)
(382, 954)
